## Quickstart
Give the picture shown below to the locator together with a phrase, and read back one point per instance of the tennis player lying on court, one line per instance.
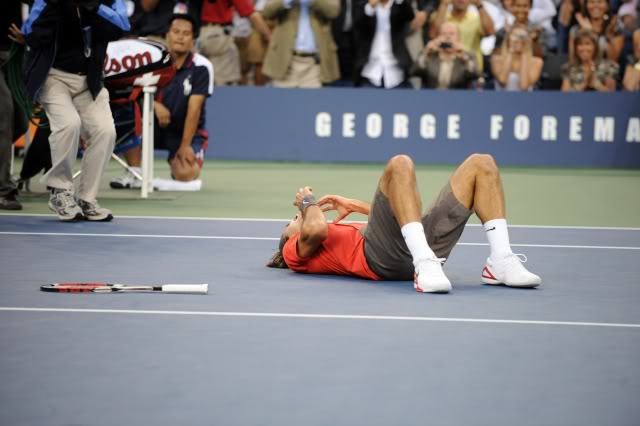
(398, 242)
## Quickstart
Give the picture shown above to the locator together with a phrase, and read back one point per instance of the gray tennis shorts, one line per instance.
(384, 248)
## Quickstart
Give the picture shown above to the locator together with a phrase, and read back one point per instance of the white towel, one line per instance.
(160, 184)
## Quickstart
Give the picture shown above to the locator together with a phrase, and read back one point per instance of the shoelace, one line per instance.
(86, 205)
(66, 199)
(434, 259)
(521, 257)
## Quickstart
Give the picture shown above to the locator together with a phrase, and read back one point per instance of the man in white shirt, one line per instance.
(382, 58)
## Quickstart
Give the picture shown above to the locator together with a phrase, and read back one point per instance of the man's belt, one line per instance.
(305, 54)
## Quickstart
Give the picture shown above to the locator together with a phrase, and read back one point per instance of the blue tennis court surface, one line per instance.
(271, 347)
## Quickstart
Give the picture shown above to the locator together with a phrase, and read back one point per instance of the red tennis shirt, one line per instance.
(342, 253)
(221, 11)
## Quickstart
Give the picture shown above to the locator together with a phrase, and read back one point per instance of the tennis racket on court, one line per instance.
(90, 287)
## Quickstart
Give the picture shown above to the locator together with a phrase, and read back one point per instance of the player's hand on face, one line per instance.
(302, 192)
(335, 202)
(162, 114)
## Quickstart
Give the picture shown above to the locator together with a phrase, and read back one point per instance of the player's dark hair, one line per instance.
(185, 17)
(277, 260)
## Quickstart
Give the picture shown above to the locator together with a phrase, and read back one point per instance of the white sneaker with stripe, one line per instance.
(509, 271)
(430, 278)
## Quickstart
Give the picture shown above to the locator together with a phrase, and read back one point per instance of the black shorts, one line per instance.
(384, 247)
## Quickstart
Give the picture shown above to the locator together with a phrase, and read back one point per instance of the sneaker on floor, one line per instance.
(126, 180)
(430, 278)
(509, 271)
(10, 202)
(92, 211)
(64, 205)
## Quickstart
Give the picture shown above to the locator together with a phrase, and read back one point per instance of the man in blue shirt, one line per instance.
(179, 108)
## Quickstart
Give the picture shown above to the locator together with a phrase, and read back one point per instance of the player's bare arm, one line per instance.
(314, 228)
(344, 206)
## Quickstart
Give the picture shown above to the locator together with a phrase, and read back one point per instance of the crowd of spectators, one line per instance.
(514, 45)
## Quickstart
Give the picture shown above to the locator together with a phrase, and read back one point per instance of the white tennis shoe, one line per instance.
(509, 271)
(127, 180)
(430, 278)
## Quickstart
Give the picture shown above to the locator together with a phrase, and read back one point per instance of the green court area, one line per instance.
(535, 196)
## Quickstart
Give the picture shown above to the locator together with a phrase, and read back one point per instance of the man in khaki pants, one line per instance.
(66, 46)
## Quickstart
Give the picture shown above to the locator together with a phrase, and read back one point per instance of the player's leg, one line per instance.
(477, 184)
(395, 242)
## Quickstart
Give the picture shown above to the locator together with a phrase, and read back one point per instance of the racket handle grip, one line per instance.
(186, 288)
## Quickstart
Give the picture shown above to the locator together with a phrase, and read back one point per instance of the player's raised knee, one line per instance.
(401, 163)
(483, 163)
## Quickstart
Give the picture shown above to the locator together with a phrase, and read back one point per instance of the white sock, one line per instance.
(414, 236)
(498, 237)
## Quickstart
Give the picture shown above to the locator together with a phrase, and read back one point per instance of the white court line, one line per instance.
(318, 316)
(214, 237)
(242, 219)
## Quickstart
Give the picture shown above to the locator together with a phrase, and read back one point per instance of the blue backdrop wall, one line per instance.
(368, 125)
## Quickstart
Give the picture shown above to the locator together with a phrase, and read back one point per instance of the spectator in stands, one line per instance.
(415, 37)
(627, 16)
(521, 10)
(241, 33)
(216, 41)
(67, 42)
(257, 49)
(588, 71)
(631, 79)
(541, 16)
(566, 21)
(595, 17)
(344, 37)
(151, 17)
(514, 66)
(473, 24)
(179, 108)
(382, 58)
(8, 190)
(444, 63)
(302, 52)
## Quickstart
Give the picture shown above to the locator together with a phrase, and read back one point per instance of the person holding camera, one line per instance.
(474, 23)
(521, 9)
(444, 63)
(66, 47)
(514, 66)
